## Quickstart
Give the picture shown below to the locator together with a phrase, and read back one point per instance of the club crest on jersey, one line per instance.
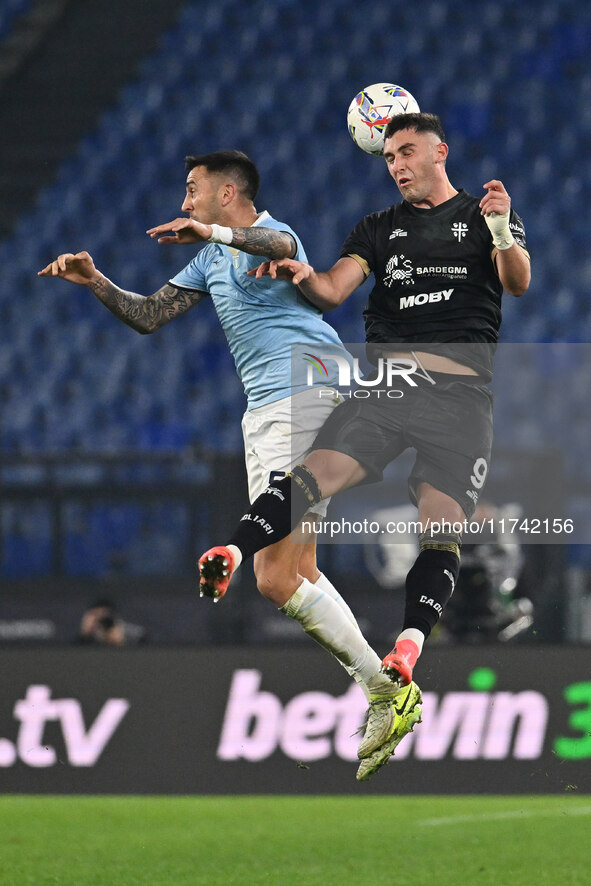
(459, 229)
(398, 270)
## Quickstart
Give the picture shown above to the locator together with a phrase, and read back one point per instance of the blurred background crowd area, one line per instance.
(121, 454)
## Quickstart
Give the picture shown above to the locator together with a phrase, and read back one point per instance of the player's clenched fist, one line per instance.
(77, 268)
(284, 269)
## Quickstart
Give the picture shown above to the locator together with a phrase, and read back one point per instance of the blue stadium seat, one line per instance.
(10, 13)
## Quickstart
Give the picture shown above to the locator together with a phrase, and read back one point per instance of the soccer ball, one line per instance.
(372, 109)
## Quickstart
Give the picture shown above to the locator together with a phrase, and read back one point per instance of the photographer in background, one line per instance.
(102, 624)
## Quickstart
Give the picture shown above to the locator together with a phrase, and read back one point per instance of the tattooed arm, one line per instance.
(255, 240)
(264, 241)
(143, 314)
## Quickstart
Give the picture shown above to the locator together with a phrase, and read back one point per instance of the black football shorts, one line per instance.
(448, 423)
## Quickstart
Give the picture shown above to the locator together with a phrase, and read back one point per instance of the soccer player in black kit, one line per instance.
(441, 259)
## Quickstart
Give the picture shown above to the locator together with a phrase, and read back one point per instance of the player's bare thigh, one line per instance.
(334, 471)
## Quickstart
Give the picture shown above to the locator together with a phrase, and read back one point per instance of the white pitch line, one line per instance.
(501, 816)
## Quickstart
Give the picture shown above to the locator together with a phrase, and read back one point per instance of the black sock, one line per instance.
(276, 512)
(429, 585)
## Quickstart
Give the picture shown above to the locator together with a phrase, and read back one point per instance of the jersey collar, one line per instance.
(262, 216)
(441, 207)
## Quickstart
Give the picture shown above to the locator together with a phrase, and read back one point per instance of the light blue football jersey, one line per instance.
(262, 319)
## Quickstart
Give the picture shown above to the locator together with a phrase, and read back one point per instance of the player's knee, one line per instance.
(277, 579)
(269, 581)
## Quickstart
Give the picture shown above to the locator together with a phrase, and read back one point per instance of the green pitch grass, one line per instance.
(287, 841)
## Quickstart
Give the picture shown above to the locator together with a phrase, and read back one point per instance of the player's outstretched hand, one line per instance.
(77, 268)
(283, 269)
(181, 230)
(496, 200)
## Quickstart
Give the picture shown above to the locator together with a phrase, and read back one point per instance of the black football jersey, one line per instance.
(435, 278)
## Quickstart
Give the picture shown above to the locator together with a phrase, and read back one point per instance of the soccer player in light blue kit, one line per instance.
(262, 319)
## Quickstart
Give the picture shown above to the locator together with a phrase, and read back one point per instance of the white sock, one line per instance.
(325, 621)
(413, 634)
(237, 555)
(326, 585)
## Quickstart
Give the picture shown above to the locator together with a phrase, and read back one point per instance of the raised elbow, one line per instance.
(517, 284)
(518, 291)
(143, 326)
(334, 301)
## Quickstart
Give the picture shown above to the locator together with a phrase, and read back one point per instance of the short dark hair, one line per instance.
(418, 122)
(235, 164)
